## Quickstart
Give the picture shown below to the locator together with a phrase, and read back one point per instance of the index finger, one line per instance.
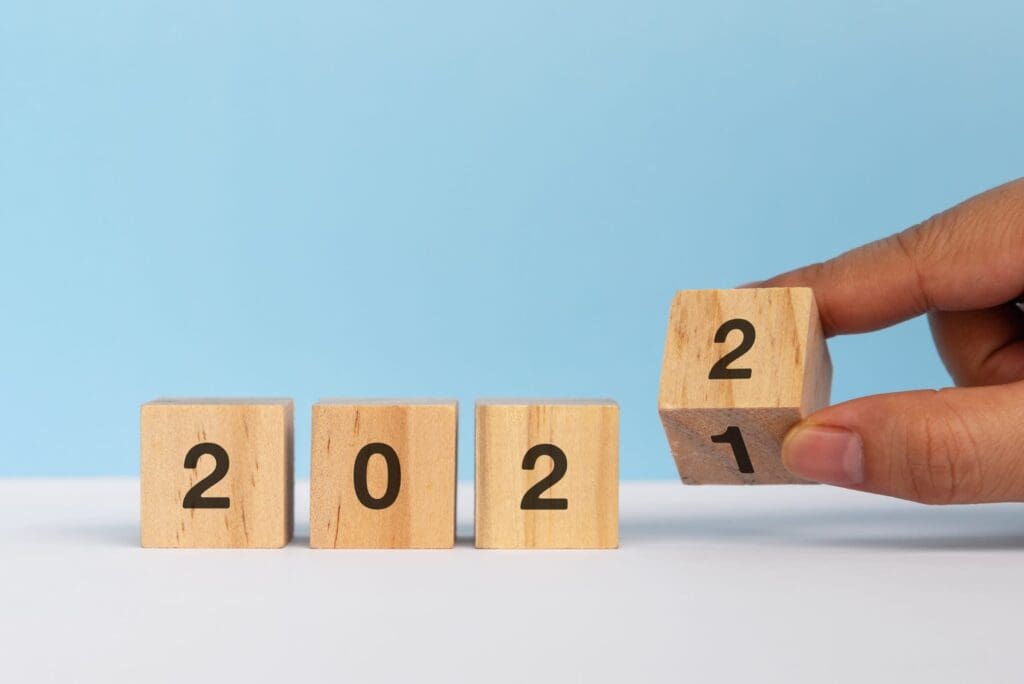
(968, 257)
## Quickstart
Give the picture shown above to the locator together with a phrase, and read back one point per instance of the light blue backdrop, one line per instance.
(453, 198)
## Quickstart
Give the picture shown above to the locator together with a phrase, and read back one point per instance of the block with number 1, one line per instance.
(741, 367)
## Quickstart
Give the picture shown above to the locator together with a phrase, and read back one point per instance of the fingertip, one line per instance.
(830, 455)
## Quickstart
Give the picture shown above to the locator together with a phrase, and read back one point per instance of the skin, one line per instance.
(964, 268)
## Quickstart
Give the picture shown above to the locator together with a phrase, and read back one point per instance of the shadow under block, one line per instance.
(741, 367)
(217, 473)
(547, 474)
(383, 474)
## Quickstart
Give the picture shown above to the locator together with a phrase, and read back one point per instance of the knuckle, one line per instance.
(922, 246)
(930, 246)
(991, 223)
(941, 464)
(1005, 205)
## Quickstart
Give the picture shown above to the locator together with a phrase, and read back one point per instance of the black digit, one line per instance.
(560, 464)
(359, 477)
(734, 438)
(721, 370)
(194, 497)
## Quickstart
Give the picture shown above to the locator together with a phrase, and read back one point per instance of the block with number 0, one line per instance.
(547, 474)
(383, 474)
(741, 367)
(217, 473)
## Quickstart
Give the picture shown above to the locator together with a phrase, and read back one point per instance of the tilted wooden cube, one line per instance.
(217, 473)
(741, 367)
(383, 474)
(547, 474)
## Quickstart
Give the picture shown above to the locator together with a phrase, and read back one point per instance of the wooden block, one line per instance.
(547, 474)
(383, 474)
(741, 367)
(217, 473)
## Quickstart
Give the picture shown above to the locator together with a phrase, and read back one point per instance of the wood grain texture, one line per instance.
(258, 438)
(423, 435)
(790, 377)
(588, 433)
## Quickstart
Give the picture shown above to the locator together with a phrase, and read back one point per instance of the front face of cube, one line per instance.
(547, 475)
(736, 349)
(216, 475)
(383, 476)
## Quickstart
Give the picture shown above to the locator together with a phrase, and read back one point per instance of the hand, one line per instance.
(965, 269)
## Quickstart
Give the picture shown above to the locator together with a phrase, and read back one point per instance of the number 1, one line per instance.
(733, 437)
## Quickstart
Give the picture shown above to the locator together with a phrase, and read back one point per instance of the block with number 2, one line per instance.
(547, 474)
(741, 367)
(217, 473)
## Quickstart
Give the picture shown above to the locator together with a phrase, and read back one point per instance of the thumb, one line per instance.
(936, 447)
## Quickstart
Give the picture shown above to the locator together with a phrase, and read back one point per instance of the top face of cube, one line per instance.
(386, 402)
(743, 348)
(520, 401)
(221, 401)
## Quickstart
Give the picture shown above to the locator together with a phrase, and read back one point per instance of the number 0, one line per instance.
(359, 476)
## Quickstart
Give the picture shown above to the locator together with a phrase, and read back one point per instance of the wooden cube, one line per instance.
(547, 474)
(217, 473)
(383, 474)
(741, 367)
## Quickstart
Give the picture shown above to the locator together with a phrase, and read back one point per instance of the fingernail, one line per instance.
(825, 454)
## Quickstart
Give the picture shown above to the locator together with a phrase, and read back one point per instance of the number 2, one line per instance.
(721, 370)
(531, 499)
(194, 497)
(733, 437)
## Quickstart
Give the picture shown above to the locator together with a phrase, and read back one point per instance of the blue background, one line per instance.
(453, 198)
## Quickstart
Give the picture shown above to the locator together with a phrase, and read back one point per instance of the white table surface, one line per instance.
(788, 584)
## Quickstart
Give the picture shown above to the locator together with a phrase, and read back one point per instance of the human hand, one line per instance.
(965, 269)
